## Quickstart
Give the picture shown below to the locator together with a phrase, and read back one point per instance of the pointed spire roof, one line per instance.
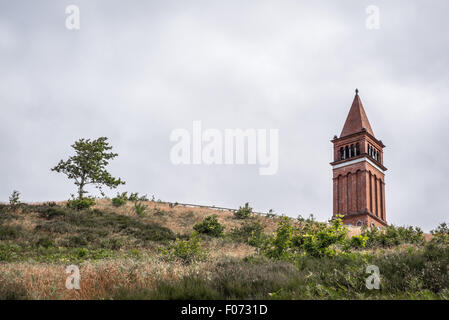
(356, 119)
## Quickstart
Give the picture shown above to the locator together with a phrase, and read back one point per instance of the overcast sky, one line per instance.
(136, 70)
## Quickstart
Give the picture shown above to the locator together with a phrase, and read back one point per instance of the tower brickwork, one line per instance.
(358, 171)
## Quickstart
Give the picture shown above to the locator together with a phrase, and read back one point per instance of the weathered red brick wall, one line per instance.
(359, 189)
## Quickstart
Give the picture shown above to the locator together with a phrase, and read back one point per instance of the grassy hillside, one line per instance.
(153, 255)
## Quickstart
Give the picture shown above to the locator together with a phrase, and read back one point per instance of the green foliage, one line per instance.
(14, 199)
(420, 273)
(81, 204)
(135, 197)
(441, 233)
(136, 253)
(10, 232)
(187, 251)
(51, 212)
(209, 226)
(88, 165)
(392, 236)
(310, 237)
(96, 229)
(8, 251)
(250, 233)
(172, 205)
(270, 214)
(45, 242)
(243, 212)
(120, 199)
(280, 246)
(44, 250)
(140, 208)
(323, 242)
(356, 242)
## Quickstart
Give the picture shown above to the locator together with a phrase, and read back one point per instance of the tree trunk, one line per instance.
(81, 189)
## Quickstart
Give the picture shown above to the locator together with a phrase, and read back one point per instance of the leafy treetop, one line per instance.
(88, 165)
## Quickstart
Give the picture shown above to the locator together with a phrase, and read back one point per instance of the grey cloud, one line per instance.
(137, 70)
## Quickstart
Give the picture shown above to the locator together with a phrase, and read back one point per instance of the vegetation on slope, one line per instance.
(174, 252)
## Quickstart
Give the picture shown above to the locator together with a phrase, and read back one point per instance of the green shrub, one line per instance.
(135, 252)
(392, 236)
(9, 232)
(120, 199)
(312, 238)
(209, 226)
(243, 212)
(441, 233)
(323, 241)
(77, 241)
(357, 242)
(135, 197)
(51, 212)
(140, 209)
(118, 202)
(172, 205)
(45, 242)
(8, 251)
(280, 246)
(249, 232)
(14, 199)
(186, 251)
(112, 244)
(81, 204)
(82, 252)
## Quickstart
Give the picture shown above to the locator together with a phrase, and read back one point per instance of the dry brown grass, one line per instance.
(181, 219)
(102, 279)
(98, 280)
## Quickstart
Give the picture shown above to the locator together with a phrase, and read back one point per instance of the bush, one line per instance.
(209, 226)
(243, 212)
(250, 233)
(9, 232)
(312, 238)
(140, 208)
(280, 246)
(51, 212)
(357, 242)
(323, 242)
(441, 233)
(45, 242)
(135, 197)
(8, 251)
(186, 251)
(112, 244)
(14, 200)
(81, 204)
(392, 236)
(121, 199)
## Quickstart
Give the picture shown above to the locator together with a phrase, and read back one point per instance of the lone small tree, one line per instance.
(88, 165)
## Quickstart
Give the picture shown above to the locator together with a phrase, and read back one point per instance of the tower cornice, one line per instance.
(360, 158)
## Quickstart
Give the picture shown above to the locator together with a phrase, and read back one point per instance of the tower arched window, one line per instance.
(346, 152)
(352, 151)
(357, 149)
(342, 153)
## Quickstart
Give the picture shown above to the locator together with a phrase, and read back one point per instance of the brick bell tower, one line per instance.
(358, 171)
